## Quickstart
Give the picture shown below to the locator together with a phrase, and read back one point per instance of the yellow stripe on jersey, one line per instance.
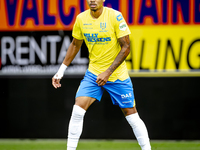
(101, 37)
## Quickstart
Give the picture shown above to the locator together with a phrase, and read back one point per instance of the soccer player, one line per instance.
(106, 35)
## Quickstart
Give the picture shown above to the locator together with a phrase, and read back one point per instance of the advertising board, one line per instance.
(35, 35)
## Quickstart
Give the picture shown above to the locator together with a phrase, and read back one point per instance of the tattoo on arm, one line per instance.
(125, 49)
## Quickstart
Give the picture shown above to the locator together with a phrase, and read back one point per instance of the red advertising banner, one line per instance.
(35, 34)
(60, 14)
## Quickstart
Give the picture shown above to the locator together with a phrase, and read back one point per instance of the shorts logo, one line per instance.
(126, 95)
(119, 17)
(122, 26)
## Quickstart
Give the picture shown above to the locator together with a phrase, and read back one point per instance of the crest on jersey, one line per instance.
(103, 25)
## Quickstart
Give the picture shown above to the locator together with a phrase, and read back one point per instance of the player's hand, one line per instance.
(56, 80)
(102, 78)
(58, 76)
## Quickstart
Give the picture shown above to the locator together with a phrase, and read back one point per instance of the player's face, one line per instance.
(95, 4)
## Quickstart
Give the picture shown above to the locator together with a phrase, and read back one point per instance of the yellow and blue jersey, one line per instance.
(101, 37)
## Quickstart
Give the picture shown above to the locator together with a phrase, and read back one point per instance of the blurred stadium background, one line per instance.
(164, 67)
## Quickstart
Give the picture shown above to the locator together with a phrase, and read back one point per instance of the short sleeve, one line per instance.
(121, 27)
(76, 32)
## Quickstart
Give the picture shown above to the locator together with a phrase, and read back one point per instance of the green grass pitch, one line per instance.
(6, 144)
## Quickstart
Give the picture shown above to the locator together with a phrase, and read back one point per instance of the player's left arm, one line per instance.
(125, 50)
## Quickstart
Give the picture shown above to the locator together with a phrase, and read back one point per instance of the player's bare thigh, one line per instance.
(129, 111)
(84, 102)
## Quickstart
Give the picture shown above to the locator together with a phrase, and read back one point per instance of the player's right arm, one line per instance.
(73, 49)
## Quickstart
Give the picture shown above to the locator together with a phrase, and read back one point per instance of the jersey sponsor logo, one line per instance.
(87, 24)
(103, 25)
(119, 17)
(122, 26)
(123, 96)
(94, 38)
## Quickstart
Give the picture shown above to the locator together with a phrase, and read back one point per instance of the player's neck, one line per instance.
(96, 13)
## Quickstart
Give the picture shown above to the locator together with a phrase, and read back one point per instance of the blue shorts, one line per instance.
(121, 92)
